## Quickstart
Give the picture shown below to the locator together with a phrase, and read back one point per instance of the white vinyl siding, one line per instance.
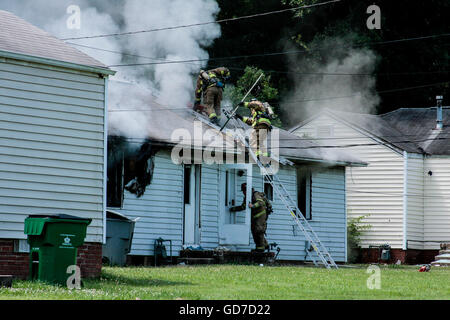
(209, 208)
(328, 210)
(51, 145)
(415, 202)
(159, 209)
(437, 201)
(328, 214)
(375, 190)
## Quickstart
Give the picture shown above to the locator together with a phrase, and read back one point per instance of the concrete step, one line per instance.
(445, 256)
(444, 251)
(442, 263)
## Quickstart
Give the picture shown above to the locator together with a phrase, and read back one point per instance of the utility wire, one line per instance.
(358, 94)
(291, 102)
(203, 23)
(273, 53)
(272, 71)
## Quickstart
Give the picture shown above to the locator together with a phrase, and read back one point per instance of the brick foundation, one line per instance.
(13, 263)
(410, 256)
(89, 259)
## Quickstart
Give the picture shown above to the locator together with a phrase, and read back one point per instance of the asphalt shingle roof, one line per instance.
(381, 128)
(19, 36)
(409, 129)
(164, 121)
(419, 125)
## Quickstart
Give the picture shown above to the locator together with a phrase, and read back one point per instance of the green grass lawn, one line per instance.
(244, 282)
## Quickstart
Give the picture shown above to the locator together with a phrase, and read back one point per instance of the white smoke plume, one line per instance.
(342, 81)
(169, 84)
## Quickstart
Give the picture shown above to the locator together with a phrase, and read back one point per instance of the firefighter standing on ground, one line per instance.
(211, 83)
(261, 114)
(258, 217)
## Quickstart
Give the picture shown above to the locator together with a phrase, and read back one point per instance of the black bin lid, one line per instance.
(58, 216)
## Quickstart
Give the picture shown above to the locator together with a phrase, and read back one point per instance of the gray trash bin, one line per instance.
(119, 236)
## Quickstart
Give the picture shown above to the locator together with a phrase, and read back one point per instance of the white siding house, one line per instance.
(52, 130)
(189, 204)
(407, 206)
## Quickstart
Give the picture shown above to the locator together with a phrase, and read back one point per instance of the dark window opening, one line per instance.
(139, 166)
(128, 168)
(268, 189)
(114, 188)
(226, 187)
(187, 184)
(304, 192)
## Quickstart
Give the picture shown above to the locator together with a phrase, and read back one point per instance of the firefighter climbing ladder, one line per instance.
(310, 236)
(280, 190)
(291, 206)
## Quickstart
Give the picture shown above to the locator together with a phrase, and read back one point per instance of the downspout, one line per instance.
(346, 218)
(405, 199)
(105, 157)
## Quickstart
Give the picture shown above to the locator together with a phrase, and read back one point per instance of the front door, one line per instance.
(234, 227)
(191, 205)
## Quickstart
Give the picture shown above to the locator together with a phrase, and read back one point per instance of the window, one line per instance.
(304, 192)
(187, 184)
(115, 173)
(128, 169)
(268, 189)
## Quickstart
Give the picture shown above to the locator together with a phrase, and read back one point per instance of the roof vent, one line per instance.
(439, 124)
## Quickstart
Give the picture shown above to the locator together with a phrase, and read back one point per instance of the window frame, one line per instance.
(304, 191)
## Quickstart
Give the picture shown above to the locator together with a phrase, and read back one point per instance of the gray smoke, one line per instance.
(171, 85)
(327, 82)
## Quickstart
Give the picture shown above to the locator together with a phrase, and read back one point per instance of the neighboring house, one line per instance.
(53, 140)
(189, 203)
(405, 189)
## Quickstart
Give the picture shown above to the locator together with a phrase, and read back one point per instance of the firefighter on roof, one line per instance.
(211, 84)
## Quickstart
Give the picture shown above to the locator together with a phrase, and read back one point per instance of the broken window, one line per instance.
(128, 169)
(304, 192)
(139, 170)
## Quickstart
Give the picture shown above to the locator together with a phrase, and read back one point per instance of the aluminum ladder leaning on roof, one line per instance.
(322, 252)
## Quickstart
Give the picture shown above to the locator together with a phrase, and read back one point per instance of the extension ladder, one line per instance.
(279, 189)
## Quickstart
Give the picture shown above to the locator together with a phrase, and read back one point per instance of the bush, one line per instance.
(355, 229)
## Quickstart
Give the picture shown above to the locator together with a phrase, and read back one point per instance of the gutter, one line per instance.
(105, 158)
(56, 63)
(405, 200)
(329, 162)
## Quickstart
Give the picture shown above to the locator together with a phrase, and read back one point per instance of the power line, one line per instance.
(270, 71)
(203, 23)
(291, 102)
(358, 94)
(273, 53)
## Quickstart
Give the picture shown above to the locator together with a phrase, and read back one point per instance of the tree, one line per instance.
(263, 91)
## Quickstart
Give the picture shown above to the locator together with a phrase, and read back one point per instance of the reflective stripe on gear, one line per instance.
(259, 214)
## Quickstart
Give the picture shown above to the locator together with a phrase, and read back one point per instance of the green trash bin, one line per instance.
(54, 240)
